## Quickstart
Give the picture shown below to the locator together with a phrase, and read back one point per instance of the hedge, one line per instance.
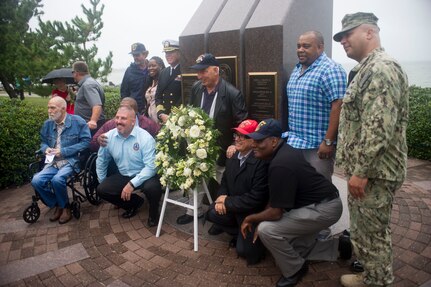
(19, 138)
(21, 122)
(419, 127)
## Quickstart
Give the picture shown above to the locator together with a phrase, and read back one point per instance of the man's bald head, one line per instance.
(130, 102)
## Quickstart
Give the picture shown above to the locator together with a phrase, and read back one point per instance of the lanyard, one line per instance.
(211, 114)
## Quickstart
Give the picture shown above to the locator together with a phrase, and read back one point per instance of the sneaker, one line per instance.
(352, 280)
(356, 266)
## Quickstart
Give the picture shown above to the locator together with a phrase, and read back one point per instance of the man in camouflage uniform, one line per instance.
(372, 146)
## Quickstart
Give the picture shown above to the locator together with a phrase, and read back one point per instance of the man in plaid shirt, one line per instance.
(315, 91)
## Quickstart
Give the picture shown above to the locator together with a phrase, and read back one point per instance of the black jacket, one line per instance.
(246, 187)
(134, 85)
(229, 112)
(168, 93)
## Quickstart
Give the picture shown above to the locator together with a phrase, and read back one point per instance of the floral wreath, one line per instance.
(186, 148)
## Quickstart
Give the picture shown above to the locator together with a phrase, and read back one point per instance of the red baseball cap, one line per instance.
(246, 127)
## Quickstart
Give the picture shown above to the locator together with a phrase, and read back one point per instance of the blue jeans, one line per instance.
(50, 184)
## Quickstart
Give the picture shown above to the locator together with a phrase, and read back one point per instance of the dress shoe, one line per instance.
(186, 219)
(57, 213)
(294, 279)
(352, 280)
(66, 216)
(134, 210)
(215, 230)
(152, 222)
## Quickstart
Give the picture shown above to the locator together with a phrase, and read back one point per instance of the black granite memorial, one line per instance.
(261, 36)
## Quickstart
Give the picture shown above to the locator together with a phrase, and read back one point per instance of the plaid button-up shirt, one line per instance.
(310, 95)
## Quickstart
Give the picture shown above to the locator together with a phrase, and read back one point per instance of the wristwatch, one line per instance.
(328, 142)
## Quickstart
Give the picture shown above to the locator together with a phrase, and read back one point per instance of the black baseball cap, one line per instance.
(266, 128)
(204, 61)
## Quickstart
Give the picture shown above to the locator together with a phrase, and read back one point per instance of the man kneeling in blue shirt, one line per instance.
(133, 150)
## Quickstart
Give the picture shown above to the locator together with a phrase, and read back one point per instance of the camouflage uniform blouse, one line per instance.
(373, 120)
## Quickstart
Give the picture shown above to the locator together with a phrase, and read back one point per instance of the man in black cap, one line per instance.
(301, 203)
(134, 80)
(372, 147)
(222, 102)
(168, 92)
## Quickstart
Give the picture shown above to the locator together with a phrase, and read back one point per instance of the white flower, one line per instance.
(159, 155)
(192, 114)
(181, 121)
(176, 130)
(193, 126)
(187, 171)
(201, 153)
(163, 181)
(195, 131)
(170, 171)
(203, 166)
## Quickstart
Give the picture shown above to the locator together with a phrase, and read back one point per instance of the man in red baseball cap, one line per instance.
(243, 191)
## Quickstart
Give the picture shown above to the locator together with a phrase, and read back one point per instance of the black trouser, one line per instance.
(231, 223)
(110, 190)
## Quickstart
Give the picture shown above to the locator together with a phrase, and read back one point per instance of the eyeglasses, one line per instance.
(239, 137)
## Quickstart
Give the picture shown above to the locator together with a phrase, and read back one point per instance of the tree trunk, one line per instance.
(8, 87)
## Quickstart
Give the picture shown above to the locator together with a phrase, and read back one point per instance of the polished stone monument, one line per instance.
(255, 42)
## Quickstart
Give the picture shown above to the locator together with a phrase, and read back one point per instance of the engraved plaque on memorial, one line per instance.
(229, 69)
(187, 81)
(262, 102)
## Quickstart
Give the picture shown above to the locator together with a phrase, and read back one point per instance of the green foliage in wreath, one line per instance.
(187, 148)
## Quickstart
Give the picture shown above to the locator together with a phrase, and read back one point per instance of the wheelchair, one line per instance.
(87, 178)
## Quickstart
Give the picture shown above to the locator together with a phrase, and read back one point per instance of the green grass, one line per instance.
(37, 101)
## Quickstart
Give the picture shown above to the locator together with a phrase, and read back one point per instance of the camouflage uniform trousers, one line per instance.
(370, 231)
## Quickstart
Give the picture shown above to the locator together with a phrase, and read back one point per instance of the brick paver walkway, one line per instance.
(103, 249)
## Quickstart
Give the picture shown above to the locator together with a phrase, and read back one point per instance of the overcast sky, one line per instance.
(405, 25)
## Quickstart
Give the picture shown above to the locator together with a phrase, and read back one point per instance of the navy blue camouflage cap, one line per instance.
(266, 128)
(351, 21)
(138, 48)
(204, 61)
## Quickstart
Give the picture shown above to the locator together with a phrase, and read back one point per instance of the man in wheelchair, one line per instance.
(62, 137)
(133, 151)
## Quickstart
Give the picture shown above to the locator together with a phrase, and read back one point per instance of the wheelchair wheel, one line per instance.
(90, 180)
(31, 214)
(76, 209)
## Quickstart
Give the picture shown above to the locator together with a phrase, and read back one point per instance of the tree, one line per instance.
(18, 45)
(32, 54)
(77, 40)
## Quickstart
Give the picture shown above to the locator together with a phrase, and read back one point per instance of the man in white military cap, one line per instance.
(168, 92)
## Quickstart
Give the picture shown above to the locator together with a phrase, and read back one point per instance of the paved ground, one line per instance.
(103, 249)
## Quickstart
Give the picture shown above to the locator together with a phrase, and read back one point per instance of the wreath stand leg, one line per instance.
(194, 207)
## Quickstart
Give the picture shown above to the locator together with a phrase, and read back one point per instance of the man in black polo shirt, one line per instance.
(301, 203)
